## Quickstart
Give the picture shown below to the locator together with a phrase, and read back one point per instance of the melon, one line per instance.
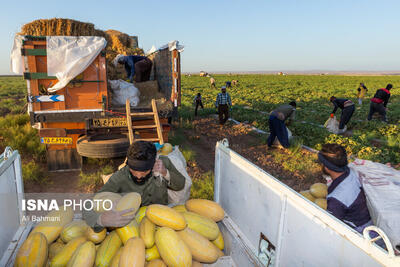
(140, 214)
(96, 237)
(33, 252)
(173, 250)
(166, 149)
(322, 203)
(207, 208)
(162, 215)
(307, 195)
(129, 201)
(73, 229)
(102, 206)
(319, 190)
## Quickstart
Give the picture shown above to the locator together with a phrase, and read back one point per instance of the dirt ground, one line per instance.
(281, 163)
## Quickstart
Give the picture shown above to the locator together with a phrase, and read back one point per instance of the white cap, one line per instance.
(115, 61)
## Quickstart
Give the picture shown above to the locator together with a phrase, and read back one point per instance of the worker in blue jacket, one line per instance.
(135, 66)
(346, 198)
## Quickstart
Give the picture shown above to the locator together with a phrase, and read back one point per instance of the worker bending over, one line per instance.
(138, 176)
(379, 102)
(139, 65)
(347, 107)
(277, 125)
(346, 198)
(223, 104)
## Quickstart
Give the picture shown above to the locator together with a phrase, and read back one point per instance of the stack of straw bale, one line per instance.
(117, 42)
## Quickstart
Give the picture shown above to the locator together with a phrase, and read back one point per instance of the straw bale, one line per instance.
(58, 26)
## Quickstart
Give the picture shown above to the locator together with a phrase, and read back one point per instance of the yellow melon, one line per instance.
(307, 195)
(319, 190)
(322, 203)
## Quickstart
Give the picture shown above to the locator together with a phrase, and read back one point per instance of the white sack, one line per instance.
(68, 56)
(381, 185)
(122, 91)
(178, 160)
(332, 125)
(17, 61)
(171, 46)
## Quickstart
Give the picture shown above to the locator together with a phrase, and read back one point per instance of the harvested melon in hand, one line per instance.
(129, 201)
(319, 190)
(105, 201)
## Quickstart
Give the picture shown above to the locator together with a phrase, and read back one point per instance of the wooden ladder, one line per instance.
(156, 125)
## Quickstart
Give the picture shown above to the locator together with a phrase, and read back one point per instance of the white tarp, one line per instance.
(171, 46)
(122, 91)
(17, 62)
(68, 56)
(381, 185)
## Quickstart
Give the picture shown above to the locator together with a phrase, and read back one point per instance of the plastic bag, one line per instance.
(179, 197)
(381, 185)
(122, 91)
(276, 141)
(332, 124)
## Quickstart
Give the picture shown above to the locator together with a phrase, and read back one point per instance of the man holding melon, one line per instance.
(346, 198)
(144, 174)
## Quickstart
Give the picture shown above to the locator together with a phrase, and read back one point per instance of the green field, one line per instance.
(253, 95)
(261, 93)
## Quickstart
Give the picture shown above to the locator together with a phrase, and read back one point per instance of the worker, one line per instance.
(361, 92)
(197, 101)
(139, 65)
(347, 107)
(228, 84)
(144, 174)
(346, 199)
(223, 104)
(379, 102)
(277, 125)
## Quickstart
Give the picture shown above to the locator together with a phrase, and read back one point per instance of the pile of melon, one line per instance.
(184, 235)
(317, 194)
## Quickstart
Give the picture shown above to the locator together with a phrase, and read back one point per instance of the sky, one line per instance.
(219, 35)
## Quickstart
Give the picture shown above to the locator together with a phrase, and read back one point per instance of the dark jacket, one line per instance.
(381, 96)
(341, 103)
(346, 200)
(129, 63)
(154, 191)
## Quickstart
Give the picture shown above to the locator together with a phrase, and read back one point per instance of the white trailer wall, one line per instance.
(302, 233)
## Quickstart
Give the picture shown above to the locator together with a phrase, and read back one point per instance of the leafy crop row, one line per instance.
(257, 95)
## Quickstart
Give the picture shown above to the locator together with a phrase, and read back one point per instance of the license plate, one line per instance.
(111, 122)
(56, 140)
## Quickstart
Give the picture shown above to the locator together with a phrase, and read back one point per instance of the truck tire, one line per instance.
(103, 146)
